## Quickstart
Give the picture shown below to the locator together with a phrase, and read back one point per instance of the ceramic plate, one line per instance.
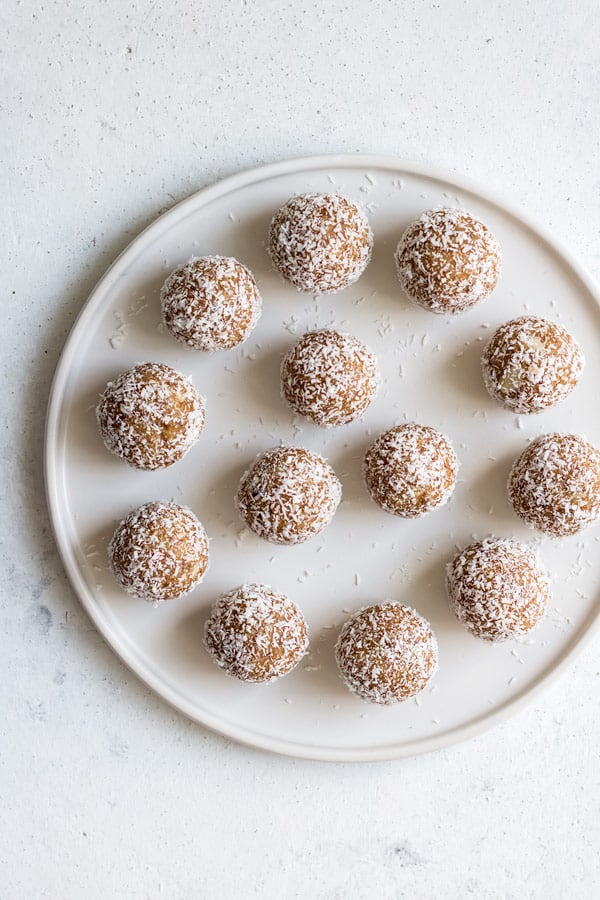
(431, 374)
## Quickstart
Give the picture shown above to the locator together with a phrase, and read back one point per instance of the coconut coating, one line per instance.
(256, 634)
(288, 495)
(410, 470)
(497, 589)
(386, 653)
(447, 261)
(329, 377)
(150, 416)
(554, 485)
(211, 303)
(320, 243)
(159, 552)
(531, 364)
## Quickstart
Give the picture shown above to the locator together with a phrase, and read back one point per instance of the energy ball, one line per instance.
(320, 243)
(288, 495)
(497, 589)
(554, 485)
(210, 303)
(256, 634)
(329, 377)
(447, 261)
(531, 364)
(386, 653)
(159, 552)
(150, 416)
(410, 470)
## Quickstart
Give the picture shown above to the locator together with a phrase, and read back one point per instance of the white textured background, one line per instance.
(111, 112)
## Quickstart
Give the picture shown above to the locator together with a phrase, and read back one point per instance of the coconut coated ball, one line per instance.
(554, 485)
(150, 416)
(210, 303)
(386, 653)
(410, 470)
(288, 495)
(447, 261)
(159, 552)
(320, 243)
(497, 589)
(531, 364)
(256, 634)
(329, 377)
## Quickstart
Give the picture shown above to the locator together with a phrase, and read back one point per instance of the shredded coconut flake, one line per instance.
(256, 634)
(386, 653)
(531, 364)
(447, 261)
(330, 377)
(497, 589)
(554, 485)
(320, 243)
(288, 495)
(159, 552)
(150, 416)
(211, 303)
(410, 470)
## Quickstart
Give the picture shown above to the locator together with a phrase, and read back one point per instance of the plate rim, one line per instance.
(53, 484)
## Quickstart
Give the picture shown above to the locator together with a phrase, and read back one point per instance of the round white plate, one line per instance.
(430, 368)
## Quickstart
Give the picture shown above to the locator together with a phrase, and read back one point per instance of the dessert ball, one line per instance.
(531, 364)
(320, 243)
(386, 653)
(210, 303)
(256, 634)
(554, 485)
(159, 552)
(329, 377)
(497, 589)
(150, 416)
(410, 470)
(288, 495)
(447, 261)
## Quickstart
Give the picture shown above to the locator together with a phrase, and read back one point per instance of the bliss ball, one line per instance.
(210, 303)
(554, 485)
(531, 364)
(320, 243)
(150, 416)
(410, 470)
(256, 634)
(447, 261)
(159, 552)
(497, 589)
(329, 377)
(386, 653)
(288, 495)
